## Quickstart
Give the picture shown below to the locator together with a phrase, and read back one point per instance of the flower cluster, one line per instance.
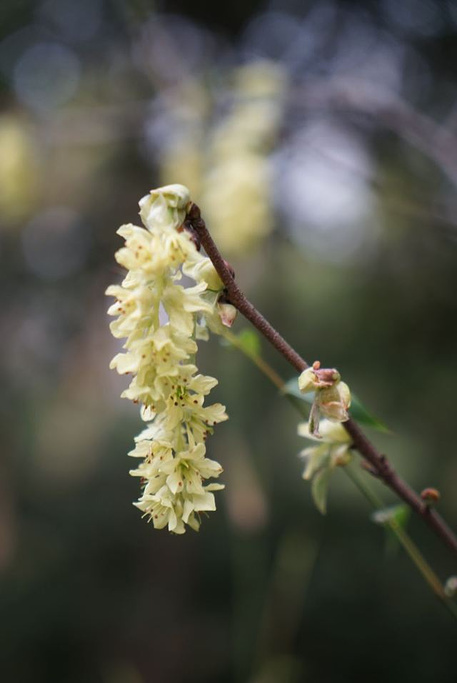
(161, 321)
(237, 192)
(233, 177)
(332, 397)
(333, 450)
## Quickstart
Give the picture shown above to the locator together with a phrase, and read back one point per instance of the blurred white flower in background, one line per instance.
(323, 189)
(47, 76)
(225, 159)
(18, 169)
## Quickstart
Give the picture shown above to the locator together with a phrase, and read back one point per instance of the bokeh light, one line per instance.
(46, 76)
(56, 243)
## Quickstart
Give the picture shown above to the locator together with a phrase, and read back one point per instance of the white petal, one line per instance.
(204, 502)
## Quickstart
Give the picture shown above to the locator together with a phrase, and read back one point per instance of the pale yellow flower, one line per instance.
(174, 489)
(164, 209)
(333, 450)
(332, 396)
(160, 320)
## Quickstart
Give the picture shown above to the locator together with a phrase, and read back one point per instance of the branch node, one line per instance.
(368, 467)
(193, 234)
(194, 217)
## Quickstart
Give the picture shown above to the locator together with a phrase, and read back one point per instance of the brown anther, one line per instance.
(316, 365)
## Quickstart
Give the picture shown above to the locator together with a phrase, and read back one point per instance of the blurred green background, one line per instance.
(320, 140)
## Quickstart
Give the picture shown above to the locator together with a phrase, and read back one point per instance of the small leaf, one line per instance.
(319, 489)
(250, 341)
(394, 513)
(361, 414)
(357, 410)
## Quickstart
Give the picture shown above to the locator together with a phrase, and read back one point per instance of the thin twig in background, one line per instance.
(438, 142)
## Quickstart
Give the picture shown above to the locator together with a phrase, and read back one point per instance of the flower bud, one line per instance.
(165, 208)
(316, 377)
(227, 314)
(430, 496)
(332, 398)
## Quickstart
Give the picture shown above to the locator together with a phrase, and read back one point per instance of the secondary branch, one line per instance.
(381, 467)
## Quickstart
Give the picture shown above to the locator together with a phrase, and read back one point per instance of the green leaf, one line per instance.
(394, 513)
(250, 341)
(319, 489)
(361, 414)
(399, 515)
(357, 409)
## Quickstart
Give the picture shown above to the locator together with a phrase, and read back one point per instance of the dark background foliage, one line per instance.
(358, 271)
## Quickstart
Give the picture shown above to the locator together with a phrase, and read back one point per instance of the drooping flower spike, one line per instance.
(161, 320)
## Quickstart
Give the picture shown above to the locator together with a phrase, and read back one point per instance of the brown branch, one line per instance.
(382, 467)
